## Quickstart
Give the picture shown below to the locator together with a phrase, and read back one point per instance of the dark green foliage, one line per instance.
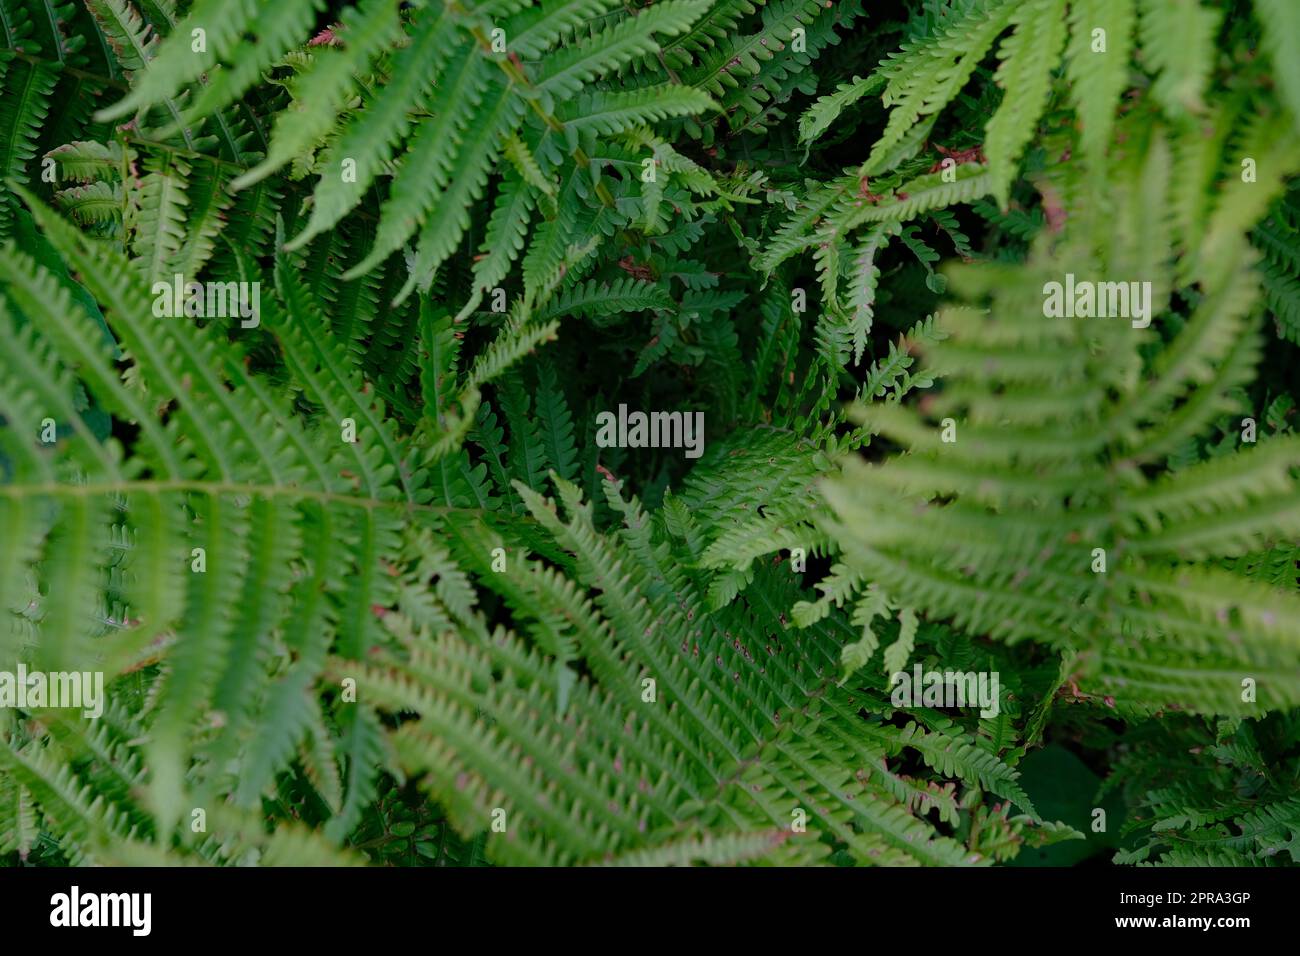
(366, 581)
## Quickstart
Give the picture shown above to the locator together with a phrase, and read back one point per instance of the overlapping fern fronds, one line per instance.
(364, 585)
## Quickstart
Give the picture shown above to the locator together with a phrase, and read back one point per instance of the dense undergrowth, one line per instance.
(371, 576)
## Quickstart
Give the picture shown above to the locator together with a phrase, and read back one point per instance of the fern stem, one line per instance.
(61, 68)
(137, 140)
(58, 489)
(518, 77)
